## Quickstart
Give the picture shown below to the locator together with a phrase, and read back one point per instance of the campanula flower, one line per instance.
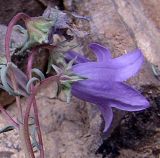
(104, 85)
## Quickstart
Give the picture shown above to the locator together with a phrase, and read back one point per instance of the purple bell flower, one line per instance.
(104, 84)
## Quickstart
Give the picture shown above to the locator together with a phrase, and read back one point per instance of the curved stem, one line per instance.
(13, 80)
(38, 128)
(29, 68)
(14, 20)
(26, 127)
(19, 115)
(30, 101)
(8, 117)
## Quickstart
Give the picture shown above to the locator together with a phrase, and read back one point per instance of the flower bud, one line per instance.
(38, 30)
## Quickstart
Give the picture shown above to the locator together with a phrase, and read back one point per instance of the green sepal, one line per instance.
(66, 88)
(38, 30)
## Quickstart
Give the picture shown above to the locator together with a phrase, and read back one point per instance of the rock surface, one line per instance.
(74, 131)
(69, 131)
(122, 26)
(10, 8)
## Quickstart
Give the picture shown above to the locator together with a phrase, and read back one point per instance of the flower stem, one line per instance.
(26, 127)
(14, 20)
(38, 128)
(8, 117)
(30, 101)
(13, 80)
(29, 68)
(20, 116)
